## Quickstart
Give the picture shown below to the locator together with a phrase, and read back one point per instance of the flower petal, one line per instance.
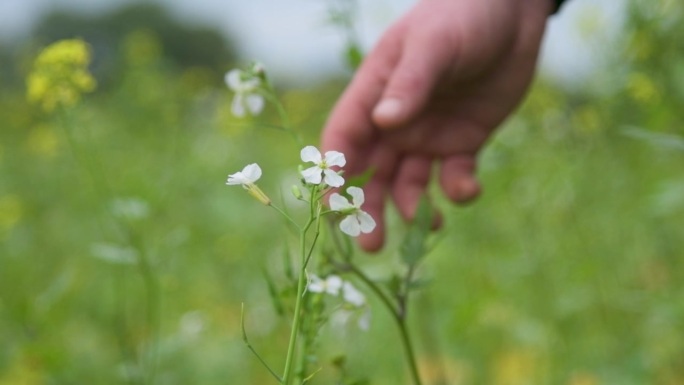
(312, 175)
(366, 222)
(352, 295)
(333, 284)
(237, 178)
(311, 154)
(249, 85)
(357, 196)
(350, 225)
(341, 317)
(335, 158)
(316, 285)
(255, 103)
(237, 107)
(364, 320)
(339, 203)
(252, 172)
(332, 178)
(233, 80)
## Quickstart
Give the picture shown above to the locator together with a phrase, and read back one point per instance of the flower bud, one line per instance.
(259, 71)
(256, 192)
(296, 192)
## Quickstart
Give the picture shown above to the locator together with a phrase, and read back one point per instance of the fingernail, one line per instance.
(388, 109)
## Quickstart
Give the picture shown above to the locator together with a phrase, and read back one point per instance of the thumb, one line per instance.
(412, 83)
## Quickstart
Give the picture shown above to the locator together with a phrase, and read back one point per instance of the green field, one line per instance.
(124, 258)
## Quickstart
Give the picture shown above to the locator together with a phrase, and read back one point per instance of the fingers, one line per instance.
(410, 183)
(384, 160)
(413, 81)
(457, 178)
(349, 128)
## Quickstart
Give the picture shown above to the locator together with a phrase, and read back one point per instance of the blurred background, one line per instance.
(124, 258)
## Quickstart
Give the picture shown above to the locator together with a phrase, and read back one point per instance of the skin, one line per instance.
(432, 91)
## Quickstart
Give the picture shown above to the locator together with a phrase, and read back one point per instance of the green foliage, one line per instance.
(353, 56)
(568, 270)
(414, 244)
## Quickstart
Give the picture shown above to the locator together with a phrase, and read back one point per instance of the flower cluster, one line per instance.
(355, 221)
(334, 285)
(60, 75)
(246, 86)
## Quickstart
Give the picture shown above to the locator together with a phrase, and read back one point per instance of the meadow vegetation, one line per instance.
(124, 258)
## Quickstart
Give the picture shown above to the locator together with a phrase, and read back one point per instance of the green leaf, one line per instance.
(414, 247)
(353, 56)
(361, 179)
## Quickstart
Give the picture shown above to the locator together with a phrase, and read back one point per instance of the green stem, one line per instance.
(384, 298)
(249, 345)
(314, 209)
(301, 285)
(408, 347)
(284, 214)
(284, 118)
(398, 314)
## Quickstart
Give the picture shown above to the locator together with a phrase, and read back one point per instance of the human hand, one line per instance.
(438, 83)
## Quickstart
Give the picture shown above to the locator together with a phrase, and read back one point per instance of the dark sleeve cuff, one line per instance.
(557, 4)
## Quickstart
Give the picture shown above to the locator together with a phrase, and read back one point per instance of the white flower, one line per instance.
(250, 174)
(352, 295)
(330, 285)
(247, 177)
(246, 87)
(357, 221)
(334, 285)
(343, 316)
(322, 166)
(364, 320)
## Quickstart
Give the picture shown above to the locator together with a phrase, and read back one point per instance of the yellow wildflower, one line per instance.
(60, 75)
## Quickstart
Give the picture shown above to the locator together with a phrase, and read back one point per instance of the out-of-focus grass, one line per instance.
(568, 270)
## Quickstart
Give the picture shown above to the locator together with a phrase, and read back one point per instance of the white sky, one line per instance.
(291, 38)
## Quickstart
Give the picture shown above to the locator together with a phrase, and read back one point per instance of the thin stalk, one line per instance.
(384, 298)
(314, 208)
(398, 312)
(408, 347)
(284, 214)
(301, 285)
(399, 315)
(316, 234)
(249, 345)
(284, 118)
